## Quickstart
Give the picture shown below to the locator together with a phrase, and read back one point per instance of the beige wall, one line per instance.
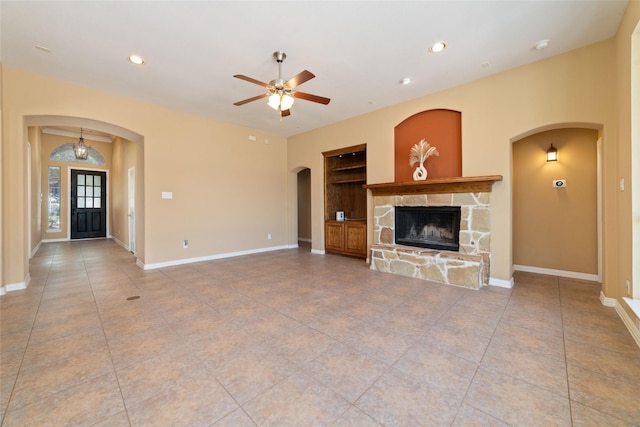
(627, 61)
(226, 197)
(556, 228)
(124, 157)
(576, 87)
(36, 188)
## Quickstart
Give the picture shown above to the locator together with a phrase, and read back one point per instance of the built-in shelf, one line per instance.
(346, 168)
(347, 181)
(473, 184)
(345, 172)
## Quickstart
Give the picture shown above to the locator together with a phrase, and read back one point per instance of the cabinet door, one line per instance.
(356, 239)
(334, 236)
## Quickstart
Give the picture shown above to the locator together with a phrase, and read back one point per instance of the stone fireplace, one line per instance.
(469, 264)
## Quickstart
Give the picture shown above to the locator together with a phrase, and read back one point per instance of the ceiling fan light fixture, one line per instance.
(279, 101)
(274, 101)
(287, 102)
(281, 95)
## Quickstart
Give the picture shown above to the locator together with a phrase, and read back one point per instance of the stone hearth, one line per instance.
(470, 266)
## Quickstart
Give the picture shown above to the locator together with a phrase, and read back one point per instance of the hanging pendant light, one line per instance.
(81, 150)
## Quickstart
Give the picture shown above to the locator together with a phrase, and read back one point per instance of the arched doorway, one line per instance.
(304, 208)
(126, 152)
(556, 206)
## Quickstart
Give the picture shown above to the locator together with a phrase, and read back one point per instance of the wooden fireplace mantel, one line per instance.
(472, 184)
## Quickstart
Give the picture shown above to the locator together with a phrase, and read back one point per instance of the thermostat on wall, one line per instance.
(559, 183)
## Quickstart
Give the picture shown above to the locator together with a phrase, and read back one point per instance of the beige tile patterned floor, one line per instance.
(288, 338)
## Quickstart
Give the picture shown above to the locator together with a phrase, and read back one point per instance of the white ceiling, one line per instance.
(358, 50)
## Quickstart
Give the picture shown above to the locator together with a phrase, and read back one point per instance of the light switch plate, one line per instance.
(167, 195)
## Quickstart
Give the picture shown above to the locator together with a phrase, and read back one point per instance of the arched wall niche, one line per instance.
(442, 129)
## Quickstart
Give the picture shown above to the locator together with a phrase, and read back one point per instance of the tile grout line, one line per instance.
(106, 341)
(35, 317)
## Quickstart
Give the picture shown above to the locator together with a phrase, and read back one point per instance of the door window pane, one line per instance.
(81, 202)
(96, 181)
(89, 191)
(80, 190)
(80, 179)
(89, 203)
(89, 180)
(96, 202)
(53, 198)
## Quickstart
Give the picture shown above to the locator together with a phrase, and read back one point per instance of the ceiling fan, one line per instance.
(281, 93)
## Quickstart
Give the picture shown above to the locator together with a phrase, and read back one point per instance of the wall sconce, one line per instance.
(552, 154)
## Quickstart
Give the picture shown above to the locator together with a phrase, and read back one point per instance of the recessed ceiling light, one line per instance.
(136, 59)
(437, 47)
(542, 44)
(406, 80)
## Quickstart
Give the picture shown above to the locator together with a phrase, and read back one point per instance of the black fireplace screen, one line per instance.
(433, 227)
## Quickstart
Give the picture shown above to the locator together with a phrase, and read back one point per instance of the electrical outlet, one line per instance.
(185, 244)
(269, 236)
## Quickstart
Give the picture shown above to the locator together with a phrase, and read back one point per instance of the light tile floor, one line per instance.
(288, 338)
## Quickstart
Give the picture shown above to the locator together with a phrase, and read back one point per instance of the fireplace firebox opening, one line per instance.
(432, 227)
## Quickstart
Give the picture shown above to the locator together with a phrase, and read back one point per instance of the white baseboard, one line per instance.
(501, 283)
(62, 239)
(634, 329)
(15, 286)
(559, 273)
(207, 258)
(606, 301)
(317, 251)
(35, 250)
(120, 243)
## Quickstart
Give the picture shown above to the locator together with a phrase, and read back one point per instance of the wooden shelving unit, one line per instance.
(345, 172)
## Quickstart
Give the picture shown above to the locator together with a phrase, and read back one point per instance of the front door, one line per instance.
(88, 204)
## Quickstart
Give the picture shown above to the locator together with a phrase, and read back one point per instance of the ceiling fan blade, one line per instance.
(252, 80)
(299, 78)
(312, 98)
(255, 98)
(285, 113)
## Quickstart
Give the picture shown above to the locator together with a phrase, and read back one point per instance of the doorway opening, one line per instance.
(557, 227)
(304, 208)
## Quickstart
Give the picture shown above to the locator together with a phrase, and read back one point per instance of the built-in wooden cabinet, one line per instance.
(345, 172)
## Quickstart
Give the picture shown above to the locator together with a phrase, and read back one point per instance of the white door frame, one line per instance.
(131, 208)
